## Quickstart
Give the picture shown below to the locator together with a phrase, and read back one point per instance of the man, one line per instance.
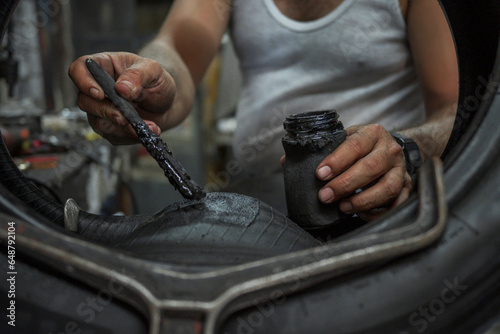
(383, 63)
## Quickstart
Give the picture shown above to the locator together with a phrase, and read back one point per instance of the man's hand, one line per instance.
(142, 81)
(369, 159)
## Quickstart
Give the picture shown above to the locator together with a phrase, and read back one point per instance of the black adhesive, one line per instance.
(158, 149)
(313, 128)
(310, 137)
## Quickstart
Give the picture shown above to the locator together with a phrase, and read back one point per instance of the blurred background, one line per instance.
(48, 135)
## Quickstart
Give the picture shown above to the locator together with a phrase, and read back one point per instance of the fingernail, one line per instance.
(155, 129)
(345, 207)
(324, 172)
(120, 120)
(128, 84)
(326, 195)
(94, 92)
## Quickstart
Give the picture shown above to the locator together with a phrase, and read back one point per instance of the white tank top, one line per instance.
(356, 60)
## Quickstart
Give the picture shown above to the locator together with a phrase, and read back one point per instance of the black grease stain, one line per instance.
(158, 149)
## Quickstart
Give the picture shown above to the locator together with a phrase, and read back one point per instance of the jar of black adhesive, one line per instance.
(310, 137)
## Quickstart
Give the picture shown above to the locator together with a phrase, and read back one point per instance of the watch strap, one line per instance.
(411, 151)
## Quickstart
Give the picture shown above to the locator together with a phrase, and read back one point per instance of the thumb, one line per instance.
(131, 81)
(144, 73)
(148, 83)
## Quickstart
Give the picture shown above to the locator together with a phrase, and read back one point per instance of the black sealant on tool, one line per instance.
(158, 149)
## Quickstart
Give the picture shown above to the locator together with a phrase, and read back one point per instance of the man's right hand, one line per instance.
(142, 81)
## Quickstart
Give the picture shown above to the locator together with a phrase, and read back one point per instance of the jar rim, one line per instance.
(311, 122)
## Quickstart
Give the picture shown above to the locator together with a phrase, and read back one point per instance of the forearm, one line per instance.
(166, 55)
(435, 61)
(432, 135)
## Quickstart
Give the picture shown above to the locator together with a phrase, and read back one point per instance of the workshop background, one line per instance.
(48, 134)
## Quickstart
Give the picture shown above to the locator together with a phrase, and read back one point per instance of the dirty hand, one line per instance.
(142, 81)
(369, 159)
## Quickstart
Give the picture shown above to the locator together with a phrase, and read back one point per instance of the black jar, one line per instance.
(310, 137)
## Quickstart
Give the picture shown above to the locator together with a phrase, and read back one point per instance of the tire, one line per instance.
(450, 287)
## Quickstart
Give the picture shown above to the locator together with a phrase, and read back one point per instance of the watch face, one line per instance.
(414, 155)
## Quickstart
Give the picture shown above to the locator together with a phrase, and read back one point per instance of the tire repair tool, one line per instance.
(158, 149)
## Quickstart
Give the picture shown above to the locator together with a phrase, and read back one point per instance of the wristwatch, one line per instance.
(411, 152)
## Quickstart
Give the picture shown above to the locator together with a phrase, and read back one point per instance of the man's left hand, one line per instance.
(369, 159)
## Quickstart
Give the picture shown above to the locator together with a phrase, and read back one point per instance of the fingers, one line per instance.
(366, 155)
(147, 83)
(102, 109)
(138, 79)
(142, 81)
(82, 78)
(369, 158)
(392, 189)
(362, 173)
(116, 134)
(112, 132)
(282, 160)
(357, 145)
(377, 213)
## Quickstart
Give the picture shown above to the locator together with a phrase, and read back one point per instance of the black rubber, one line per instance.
(222, 229)
(475, 25)
(25, 190)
